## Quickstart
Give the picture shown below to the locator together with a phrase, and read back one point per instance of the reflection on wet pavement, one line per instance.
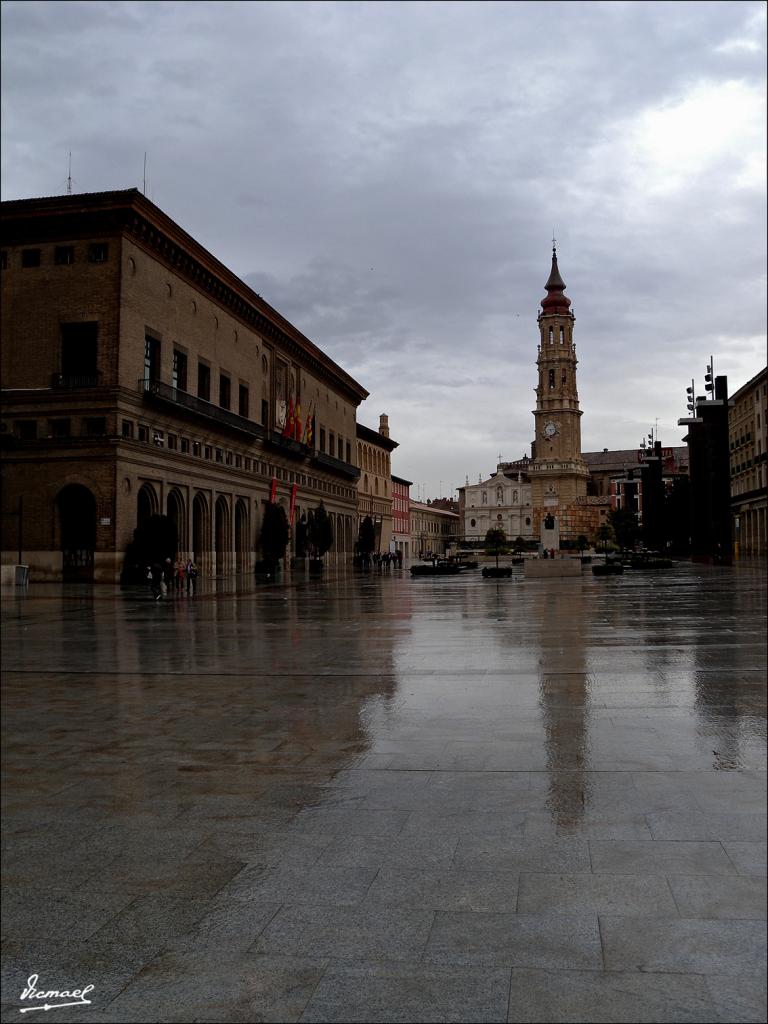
(377, 798)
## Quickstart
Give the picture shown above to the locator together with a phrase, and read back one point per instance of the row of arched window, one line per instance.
(374, 461)
(552, 335)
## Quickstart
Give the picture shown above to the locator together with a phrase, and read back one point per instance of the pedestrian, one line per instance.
(190, 572)
(178, 575)
(155, 576)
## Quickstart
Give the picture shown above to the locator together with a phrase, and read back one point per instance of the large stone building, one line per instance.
(142, 378)
(401, 515)
(433, 529)
(748, 446)
(374, 487)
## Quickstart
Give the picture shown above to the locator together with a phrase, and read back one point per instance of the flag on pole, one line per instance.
(293, 503)
(273, 491)
(309, 427)
(297, 428)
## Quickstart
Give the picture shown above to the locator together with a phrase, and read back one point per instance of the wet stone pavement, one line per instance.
(371, 798)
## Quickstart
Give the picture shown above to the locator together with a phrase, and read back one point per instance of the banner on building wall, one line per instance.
(273, 491)
(297, 425)
(293, 504)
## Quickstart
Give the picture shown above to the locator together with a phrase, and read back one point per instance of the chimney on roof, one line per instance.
(384, 425)
(605, 450)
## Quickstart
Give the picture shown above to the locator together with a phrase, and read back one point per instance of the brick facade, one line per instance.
(99, 329)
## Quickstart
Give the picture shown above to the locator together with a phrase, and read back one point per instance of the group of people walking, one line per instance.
(179, 576)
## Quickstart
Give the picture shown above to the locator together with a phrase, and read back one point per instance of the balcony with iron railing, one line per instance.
(336, 465)
(72, 380)
(166, 393)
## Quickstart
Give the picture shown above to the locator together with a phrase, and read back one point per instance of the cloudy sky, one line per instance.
(389, 175)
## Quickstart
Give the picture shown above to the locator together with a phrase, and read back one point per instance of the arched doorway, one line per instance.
(241, 536)
(222, 535)
(77, 530)
(178, 516)
(146, 504)
(201, 531)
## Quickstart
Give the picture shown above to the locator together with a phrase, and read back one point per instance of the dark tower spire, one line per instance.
(556, 301)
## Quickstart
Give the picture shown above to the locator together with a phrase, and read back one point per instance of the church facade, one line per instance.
(545, 497)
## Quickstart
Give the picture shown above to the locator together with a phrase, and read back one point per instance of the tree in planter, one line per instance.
(625, 528)
(319, 533)
(366, 539)
(519, 545)
(496, 542)
(273, 539)
(604, 535)
(582, 543)
(301, 537)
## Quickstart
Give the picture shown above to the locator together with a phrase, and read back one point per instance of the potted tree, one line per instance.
(319, 537)
(496, 544)
(519, 548)
(273, 539)
(582, 543)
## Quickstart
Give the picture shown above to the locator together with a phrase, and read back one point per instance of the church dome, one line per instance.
(556, 301)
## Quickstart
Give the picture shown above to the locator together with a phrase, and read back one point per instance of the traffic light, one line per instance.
(689, 394)
(708, 382)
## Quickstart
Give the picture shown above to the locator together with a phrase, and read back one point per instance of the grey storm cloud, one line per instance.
(388, 175)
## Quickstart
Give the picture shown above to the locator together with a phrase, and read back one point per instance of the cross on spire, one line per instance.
(554, 241)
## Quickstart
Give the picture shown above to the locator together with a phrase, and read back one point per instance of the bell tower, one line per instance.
(558, 473)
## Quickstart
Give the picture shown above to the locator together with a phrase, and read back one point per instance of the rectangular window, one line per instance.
(238, 462)
(247, 464)
(242, 400)
(30, 257)
(98, 252)
(179, 375)
(94, 426)
(26, 430)
(127, 428)
(207, 451)
(228, 458)
(340, 451)
(322, 439)
(225, 391)
(79, 353)
(264, 411)
(204, 382)
(64, 255)
(143, 433)
(219, 455)
(331, 443)
(196, 448)
(185, 446)
(173, 442)
(60, 428)
(151, 358)
(349, 453)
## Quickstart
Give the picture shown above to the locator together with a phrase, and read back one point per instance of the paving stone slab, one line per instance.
(392, 933)
(600, 894)
(393, 992)
(703, 896)
(516, 940)
(683, 946)
(608, 997)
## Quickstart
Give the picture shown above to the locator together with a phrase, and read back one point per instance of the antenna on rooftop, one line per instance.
(69, 176)
(144, 189)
